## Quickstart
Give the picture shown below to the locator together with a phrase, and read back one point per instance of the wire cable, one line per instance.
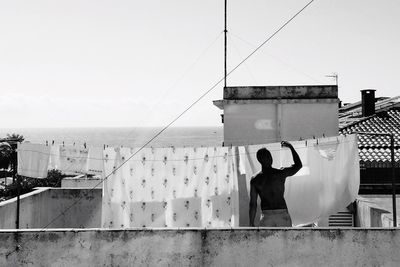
(180, 115)
(278, 59)
(188, 108)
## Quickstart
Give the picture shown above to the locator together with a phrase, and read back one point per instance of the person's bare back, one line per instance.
(269, 185)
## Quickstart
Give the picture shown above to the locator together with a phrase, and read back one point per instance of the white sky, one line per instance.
(90, 63)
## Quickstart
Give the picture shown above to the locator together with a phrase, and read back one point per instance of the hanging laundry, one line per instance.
(186, 212)
(33, 160)
(73, 159)
(327, 183)
(54, 163)
(95, 163)
(170, 187)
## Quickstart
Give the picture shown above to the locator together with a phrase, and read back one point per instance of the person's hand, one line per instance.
(286, 144)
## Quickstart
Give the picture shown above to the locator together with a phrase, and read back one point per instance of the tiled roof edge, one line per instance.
(356, 122)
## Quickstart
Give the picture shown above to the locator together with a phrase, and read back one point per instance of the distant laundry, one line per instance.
(33, 160)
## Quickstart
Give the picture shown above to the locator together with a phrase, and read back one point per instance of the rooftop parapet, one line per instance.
(281, 92)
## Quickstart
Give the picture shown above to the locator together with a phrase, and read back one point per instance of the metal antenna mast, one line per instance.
(334, 76)
(225, 43)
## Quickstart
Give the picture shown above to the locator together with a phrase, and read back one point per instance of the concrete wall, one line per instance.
(82, 181)
(376, 211)
(267, 121)
(196, 247)
(41, 206)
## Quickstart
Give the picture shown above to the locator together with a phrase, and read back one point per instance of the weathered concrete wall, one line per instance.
(278, 92)
(41, 206)
(195, 247)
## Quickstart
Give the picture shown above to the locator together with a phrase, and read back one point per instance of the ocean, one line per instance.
(129, 137)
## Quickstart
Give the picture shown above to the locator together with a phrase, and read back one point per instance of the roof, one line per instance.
(351, 113)
(374, 150)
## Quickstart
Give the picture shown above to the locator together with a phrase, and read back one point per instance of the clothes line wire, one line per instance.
(180, 115)
(157, 160)
(276, 59)
(265, 140)
(240, 56)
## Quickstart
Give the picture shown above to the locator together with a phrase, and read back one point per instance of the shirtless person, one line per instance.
(269, 184)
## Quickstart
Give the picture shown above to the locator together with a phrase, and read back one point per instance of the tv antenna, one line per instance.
(334, 76)
(225, 43)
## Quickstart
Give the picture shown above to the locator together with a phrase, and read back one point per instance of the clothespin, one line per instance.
(63, 143)
(47, 143)
(306, 143)
(317, 141)
(52, 143)
(84, 145)
(104, 146)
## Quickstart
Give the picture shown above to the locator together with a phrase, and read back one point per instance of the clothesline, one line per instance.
(232, 155)
(198, 194)
(247, 141)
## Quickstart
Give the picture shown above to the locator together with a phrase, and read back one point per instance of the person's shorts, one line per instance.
(275, 218)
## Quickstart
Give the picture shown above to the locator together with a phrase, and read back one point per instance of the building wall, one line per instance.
(81, 182)
(197, 247)
(267, 121)
(376, 211)
(41, 206)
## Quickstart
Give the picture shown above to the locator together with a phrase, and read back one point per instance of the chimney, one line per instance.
(368, 102)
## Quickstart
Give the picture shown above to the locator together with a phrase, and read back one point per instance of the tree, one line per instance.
(17, 137)
(5, 155)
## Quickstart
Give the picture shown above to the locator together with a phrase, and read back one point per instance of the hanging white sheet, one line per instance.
(95, 164)
(327, 183)
(73, 159)
(54, 163)
(170, 187)
(33, 160)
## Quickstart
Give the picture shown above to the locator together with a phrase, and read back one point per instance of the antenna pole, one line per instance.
(225, 43)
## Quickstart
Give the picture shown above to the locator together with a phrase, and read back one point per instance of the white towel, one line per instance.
(33, 160)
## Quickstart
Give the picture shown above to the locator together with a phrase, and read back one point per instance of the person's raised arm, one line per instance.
(297, 161)
(253, 203)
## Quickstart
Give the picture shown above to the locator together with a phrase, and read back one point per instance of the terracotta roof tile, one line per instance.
(376, 149)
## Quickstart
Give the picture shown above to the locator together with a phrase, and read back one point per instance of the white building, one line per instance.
(266, 114)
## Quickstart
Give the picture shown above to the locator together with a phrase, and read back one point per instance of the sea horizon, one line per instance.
(121, 136)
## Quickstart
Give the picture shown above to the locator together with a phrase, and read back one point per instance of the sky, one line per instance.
(119, 63)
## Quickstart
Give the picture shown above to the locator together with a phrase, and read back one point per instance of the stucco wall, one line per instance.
(267, 121)
(42, 206)
(195, 247)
